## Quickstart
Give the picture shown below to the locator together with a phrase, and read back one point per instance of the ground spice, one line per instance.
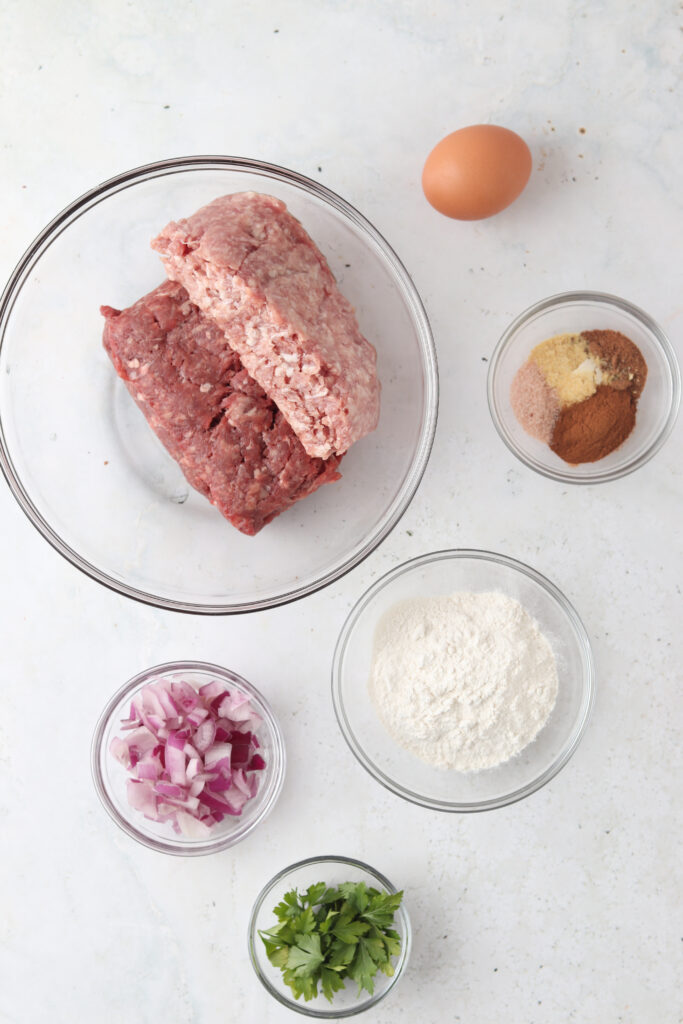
(579, 393)
(588, 431)
(565, 362)
(622, 361)
(534, 402)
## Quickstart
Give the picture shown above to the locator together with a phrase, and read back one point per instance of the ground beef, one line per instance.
(249, 265)
(230, 440)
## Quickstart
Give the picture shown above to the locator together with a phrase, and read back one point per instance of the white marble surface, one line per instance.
(561, 908)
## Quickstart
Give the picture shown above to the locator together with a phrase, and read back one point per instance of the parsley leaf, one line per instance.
(392, 940)
(306, 987)
(374, 944)
(314, 893)
(350, 931)
(363, 968)
(278, 955)
(306, 957)
(304, 922)
(289, 907)
(331, 981)
(329, 896)
(328, 934)
(382, 907)
(325, 923)
(341, 954)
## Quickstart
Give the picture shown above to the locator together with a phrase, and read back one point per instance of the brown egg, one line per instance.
(476, 171)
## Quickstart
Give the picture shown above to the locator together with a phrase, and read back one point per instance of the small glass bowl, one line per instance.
(332, 871)
(443, 573)
(110, 777)
(572, 312)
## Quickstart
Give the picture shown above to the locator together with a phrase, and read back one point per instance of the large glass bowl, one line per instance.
(333, 871)
(570, 313)
(89, 472)
(110, 777)
(443, 573)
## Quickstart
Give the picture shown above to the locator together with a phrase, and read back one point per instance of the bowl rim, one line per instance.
(281, 996)
(405, 285)
(669, 359)
(587, 697)
(179, 847)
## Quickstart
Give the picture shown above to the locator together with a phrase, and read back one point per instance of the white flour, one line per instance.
(464, 682)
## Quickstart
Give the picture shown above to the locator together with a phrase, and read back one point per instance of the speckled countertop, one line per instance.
(560, 908)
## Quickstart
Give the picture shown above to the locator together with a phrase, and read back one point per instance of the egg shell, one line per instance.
(476, 172)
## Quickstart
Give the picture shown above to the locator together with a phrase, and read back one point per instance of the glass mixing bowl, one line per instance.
(88, 471)
(443, 573)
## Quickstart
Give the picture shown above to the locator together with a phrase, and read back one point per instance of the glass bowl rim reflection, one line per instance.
(420, 325)
(587, 695)
(290, 1002)
(668, 359)
(275, 769)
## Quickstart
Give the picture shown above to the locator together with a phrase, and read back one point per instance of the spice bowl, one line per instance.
(333, 871)
(110, 777)
(572, 313)
(444, 573)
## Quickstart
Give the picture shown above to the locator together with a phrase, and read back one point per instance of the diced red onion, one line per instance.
(192, 827)
(184, 694)
(205, 735)
(141, 796)
(197, 715)
(175, 758)
(191, 754)
(119, 749)
(216, 752)
(149, 766)
(211, 690)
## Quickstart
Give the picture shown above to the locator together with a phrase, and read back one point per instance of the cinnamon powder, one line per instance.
(588, 431)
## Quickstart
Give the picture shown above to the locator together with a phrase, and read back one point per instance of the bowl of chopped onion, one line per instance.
(188, 758)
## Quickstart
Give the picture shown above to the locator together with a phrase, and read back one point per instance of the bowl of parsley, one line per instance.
(329, 937)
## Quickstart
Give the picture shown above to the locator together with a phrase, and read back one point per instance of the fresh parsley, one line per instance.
(325, 935)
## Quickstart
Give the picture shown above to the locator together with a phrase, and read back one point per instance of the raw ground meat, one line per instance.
(249, 265)
(229, 438)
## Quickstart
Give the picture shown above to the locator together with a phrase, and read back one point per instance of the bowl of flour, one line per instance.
(463, 680)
